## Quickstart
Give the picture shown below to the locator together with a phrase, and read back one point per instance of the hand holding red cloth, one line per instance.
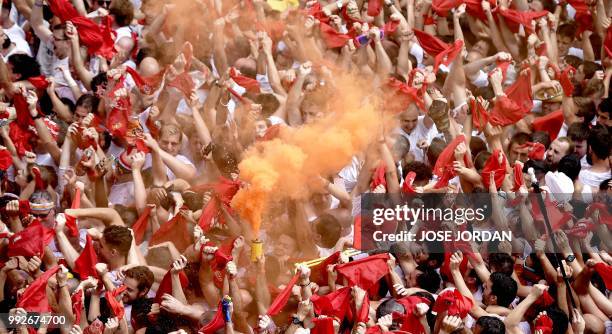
(495, 164)
(115, 305)
(85, 263)
(516, 104)
(454, 303)
(34, 297)
(281, 300)
(365, 272)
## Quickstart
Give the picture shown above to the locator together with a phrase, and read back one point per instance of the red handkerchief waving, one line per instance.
(494, 165)
(31, 241)
(454, 303)
(514, 18)
(247, 83)
(165, 286)
(215, 324)
(140, 226)
(444, 165)
(566, 82)
(84, 264)
(365, 272)
(608, 42)
(410, 320)
(333, 304)
(90, 33)
(281, 300)
(480, 116)
(378, 178)
(605, 271)
(6, 160)
(516, 104)
(176, 230)
(115, 305)
(34, 297)
(518, 176)
(551, 123)
(71, 223)
(544, 324)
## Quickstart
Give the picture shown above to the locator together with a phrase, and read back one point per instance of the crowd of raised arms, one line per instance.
(198, 166)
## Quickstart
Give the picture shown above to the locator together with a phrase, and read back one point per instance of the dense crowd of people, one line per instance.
(199, 166)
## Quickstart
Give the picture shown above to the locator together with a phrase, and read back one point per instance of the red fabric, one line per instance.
(34, 297)
(550, 123)
(39, 82)
(22, 138)
(410, 321)
(176, 230)
(24, 207)
(39, 182)
(24, 119)
(443, 7)
(333, 304)
(6, 160)
(183, 81)
(444, 165)
(222, 256)
(332, 37)
(272, 132)
(515, 105)
(566, 82)
(407, 187)
(318, 273)
(107, 49)
(605, 271)
(583, 18)
(581, 228)
(147, 85)
(544, 323)
(449, 249)
(84, 264)
(365, 272)
(316, 11)
(374, 7)
(115, 305)
(250, 84)
(90, 34)
(492, 165)
(431, 44)
(518, 177)
(454, 303)
(514, 18)
(378, 178)
(448, 55)
(348, 19)
(363, 314)
(30, 241)
(557, 218)
(281, 300)
(70, 220)
(165, 286)
(77, 306)
(503, 66)
(608, 42)
(536, 150)
(222, 194)
(216, 323)
(480, 116)
(323, 326)
(118, 118)
(602, 209)
(140, 226)
(406, 94)
(474, 8)
(357, 232)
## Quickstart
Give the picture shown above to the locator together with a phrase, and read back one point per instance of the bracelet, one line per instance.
(305, 285)
(38, 4)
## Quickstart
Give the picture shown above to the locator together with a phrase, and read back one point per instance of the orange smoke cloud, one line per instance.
(285, 168)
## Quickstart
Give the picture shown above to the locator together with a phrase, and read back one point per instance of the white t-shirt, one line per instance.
(418, 133)
(593, 179)
(21, 47)
(15, 32)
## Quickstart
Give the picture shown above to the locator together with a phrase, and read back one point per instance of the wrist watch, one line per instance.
(570, 258)
(296, 321)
